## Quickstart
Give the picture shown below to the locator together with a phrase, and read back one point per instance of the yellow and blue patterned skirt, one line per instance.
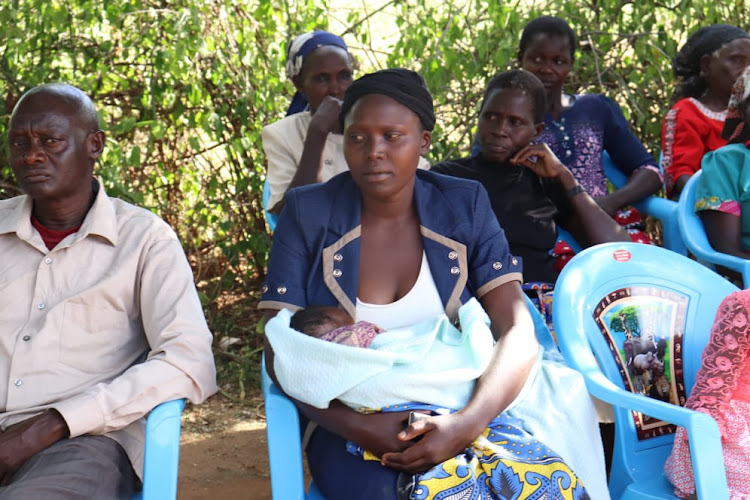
(504, 463)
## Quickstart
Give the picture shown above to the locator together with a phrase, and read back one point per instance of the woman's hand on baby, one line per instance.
(378, 432)
(540, 159)
(326, 117)
(442, 437)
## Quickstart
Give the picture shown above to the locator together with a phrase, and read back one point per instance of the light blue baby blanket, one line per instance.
(431, 362)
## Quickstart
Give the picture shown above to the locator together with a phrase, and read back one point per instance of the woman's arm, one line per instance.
(587, 222)
(377, 432)
(512, 359)
(323, 122)
(642, 183)
(724, 232)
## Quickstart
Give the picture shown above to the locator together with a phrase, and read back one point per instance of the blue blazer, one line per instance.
(315, 253)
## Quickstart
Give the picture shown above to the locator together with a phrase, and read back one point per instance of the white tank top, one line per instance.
(422, 302)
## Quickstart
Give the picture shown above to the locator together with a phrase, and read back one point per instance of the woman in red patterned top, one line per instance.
(707, 66)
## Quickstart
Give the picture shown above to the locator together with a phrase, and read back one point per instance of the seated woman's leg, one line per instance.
(341, 475)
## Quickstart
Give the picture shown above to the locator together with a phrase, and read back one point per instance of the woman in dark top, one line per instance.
(530, 190)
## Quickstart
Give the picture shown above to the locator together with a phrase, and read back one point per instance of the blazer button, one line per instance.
(453, 255)
(455, 270)
(514, 261)
(337, 273)
(497, 265)
(338, 257)
(264, 288)
(281, 290)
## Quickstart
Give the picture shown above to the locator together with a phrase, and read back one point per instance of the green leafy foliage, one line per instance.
(185, 86)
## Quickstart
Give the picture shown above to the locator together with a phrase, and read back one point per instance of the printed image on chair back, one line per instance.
(644, 327)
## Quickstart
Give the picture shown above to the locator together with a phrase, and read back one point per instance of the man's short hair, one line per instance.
(71, 95)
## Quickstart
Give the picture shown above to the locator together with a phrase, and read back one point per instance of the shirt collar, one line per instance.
(433, 207)
(101, 219)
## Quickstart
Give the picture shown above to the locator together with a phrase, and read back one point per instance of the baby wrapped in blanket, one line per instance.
(431, 362)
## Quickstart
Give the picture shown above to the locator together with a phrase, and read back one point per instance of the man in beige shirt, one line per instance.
(99, 317)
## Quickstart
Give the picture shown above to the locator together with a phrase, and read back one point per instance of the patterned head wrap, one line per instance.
(403, 85)
(301, 47)
(735, 130)
(687, 63)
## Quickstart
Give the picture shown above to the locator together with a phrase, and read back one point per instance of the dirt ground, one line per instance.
(223, 451)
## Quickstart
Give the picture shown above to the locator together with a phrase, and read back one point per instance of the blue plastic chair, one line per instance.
(271, 219)
(694, 234)
(659, 208)
(603, 281)
(283, 430)
(162, 454)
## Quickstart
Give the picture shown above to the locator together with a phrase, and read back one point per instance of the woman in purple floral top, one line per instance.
(579, 128)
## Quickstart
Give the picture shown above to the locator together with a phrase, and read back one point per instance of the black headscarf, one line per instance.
(687, 63)
(403, 85)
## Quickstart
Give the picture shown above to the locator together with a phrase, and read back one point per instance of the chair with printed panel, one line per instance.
(634, 320)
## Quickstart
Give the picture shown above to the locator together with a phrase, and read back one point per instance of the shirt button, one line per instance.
(48, 260)
(281, 290)
(26, 338)
(497, 265)
(455, 270)
(453, 255)
(18, 382)
(337, 273)
(40, 306)
(338, 257)
(568, 153)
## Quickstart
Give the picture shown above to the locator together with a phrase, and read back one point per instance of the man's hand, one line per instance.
(443, 437)
(326, 117)
(21, 441)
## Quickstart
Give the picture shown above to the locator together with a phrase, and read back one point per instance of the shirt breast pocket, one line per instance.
(97, 338)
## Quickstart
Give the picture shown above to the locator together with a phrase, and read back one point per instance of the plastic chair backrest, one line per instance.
(271, 219)
(659, 208)
(162, 453)
(283, 427)
(694, 234)
(646, 313)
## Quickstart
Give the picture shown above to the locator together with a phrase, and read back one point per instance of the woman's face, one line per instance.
(326, 71)
(724, 66)
(548, 57)
(506, 124)
(383, 140)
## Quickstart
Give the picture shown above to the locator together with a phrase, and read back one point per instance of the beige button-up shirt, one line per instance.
(104, 327)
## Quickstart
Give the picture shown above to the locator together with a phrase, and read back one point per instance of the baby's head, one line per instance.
(512, 114)
(319, 320)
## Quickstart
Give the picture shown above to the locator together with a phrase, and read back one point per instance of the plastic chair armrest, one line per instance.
(284, 446)
(162, 452)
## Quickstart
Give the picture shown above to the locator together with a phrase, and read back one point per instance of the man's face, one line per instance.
(52, 150)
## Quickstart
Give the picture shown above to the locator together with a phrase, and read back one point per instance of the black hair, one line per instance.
(525, 81)
(73, 96)
(548, 25)
(686, 65)
(309, 319)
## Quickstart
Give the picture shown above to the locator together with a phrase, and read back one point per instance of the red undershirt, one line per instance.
(50, 237)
